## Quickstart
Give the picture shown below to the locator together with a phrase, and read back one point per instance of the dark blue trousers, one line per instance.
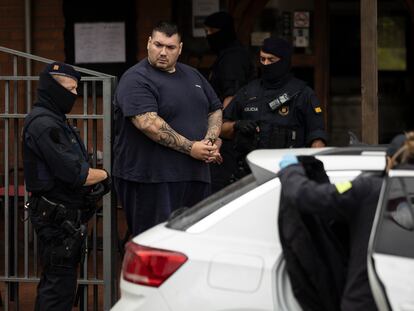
(221, 173)
(148, 204)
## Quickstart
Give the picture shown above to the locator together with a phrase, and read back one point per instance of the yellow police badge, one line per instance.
(284, 110)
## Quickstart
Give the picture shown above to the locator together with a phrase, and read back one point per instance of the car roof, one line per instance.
(265, 163)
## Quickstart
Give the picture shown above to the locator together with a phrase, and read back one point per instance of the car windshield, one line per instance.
(185, 217)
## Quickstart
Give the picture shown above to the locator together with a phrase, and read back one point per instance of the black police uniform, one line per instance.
(351, 202)
(287, 113)
(55, 170)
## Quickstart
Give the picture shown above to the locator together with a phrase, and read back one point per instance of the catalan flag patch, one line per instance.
(344, 186)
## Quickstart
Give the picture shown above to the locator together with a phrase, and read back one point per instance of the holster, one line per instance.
(71, 251)
(61, 234)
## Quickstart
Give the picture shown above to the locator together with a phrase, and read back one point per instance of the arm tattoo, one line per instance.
(161, 132)
(215, 120)
(170, 138)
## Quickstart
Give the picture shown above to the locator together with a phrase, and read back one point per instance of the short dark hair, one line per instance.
(167, 28)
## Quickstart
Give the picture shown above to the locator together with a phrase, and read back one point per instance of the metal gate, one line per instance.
(18, 242)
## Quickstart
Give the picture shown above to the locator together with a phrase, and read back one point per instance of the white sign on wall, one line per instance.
(301, 37)
(301, 19)
(99, 43)
(202, 9)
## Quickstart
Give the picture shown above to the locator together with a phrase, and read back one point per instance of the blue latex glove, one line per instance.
(288, 159)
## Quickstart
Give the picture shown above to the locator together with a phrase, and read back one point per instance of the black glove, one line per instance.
(314, 169)
(100, 189)
(245, 126)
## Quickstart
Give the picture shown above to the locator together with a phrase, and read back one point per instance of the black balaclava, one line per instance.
(274, 73)
(51, 94)
(221, 39)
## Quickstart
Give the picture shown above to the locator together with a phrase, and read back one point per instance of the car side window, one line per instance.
(395, 231)
(186, 217)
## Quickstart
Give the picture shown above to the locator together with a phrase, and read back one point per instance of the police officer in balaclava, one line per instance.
(63, 187)
(275, 62)
(275, 111)
(231, 70)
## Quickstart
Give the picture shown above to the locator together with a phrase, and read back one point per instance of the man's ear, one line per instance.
(149, 42)
(181, 48)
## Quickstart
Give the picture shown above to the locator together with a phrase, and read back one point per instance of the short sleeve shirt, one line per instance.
(184, 99)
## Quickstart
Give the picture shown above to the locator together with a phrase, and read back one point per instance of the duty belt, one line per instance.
(57, 212)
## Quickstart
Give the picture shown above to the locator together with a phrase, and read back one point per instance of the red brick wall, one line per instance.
(47, 30)
(12, 24)
(11, 30)
(47, 27)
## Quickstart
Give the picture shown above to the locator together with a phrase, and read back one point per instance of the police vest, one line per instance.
(274, 109)
(38, 177)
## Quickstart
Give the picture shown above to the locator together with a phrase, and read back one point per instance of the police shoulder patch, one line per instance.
(343, 186)
(318, 109)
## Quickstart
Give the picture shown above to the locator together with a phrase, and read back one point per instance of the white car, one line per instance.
(224, 253)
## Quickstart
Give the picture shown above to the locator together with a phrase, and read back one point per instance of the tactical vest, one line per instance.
(38, 177)
(274, 109)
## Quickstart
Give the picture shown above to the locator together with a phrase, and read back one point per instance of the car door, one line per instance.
(391, 248)
(284, 297)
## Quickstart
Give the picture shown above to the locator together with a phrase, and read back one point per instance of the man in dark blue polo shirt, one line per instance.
(167, 122)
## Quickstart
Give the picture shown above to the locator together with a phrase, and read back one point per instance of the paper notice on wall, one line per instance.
(99, 43)
(301, 37)
(202, 9)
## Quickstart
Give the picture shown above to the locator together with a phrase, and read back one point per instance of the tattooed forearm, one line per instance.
(159, 131)
(214, 125)
(170, 138)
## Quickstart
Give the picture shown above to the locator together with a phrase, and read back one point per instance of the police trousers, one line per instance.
(56, 289)
(61, 246)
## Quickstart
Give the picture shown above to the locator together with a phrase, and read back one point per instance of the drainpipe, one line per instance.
(28, 48)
